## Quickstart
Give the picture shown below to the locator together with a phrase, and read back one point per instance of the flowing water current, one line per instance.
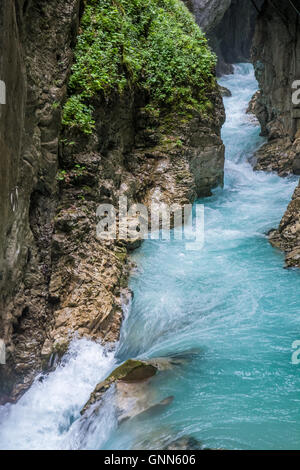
(231, 305)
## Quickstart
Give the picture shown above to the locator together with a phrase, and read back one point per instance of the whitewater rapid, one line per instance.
(231, 303)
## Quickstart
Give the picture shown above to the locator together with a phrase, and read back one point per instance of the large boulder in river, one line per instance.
(133, 393)
(130, 372)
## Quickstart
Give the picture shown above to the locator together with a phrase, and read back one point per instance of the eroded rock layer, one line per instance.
(131, 155)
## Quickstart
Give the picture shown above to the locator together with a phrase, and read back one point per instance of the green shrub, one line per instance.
(151, 44)
(79, 114)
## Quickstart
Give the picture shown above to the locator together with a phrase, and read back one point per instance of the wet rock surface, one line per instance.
(278, 155)
(225, 91)
(132, 392)
(276, 54)
(36, 38)
(125, 377)
(229, 25)
(287, 236)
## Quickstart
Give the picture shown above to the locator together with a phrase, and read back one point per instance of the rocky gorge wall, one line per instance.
(268, 34)
(36, 53)
(229, 25)
(270, 38)
(56, 278)
(276, 58)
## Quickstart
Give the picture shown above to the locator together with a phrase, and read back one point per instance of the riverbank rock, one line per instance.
(225, 91)
(273, 50)
(276, 48)
(253, 107)
(36, 40)
(279, 155)
(287, 236)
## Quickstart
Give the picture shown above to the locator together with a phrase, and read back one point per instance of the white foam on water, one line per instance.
(43, 417)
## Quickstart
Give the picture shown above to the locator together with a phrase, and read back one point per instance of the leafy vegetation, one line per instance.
(151, 44)
(74, 174)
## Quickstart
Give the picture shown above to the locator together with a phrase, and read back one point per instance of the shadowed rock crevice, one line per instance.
(229, 25)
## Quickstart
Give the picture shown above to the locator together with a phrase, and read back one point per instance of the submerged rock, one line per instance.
(184, 443)
(176, 359)
(139, 403)
(167, 439)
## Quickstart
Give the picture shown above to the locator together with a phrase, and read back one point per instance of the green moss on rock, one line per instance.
(132, 371)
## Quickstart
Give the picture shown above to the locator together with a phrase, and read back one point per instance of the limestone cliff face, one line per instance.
(287, 236)
(56, 278)
(36, 52)
(229, 25)
(208, 13)
(276, 58)
(132, 154)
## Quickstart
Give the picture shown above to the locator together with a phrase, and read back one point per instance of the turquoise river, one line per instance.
(231, 304)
